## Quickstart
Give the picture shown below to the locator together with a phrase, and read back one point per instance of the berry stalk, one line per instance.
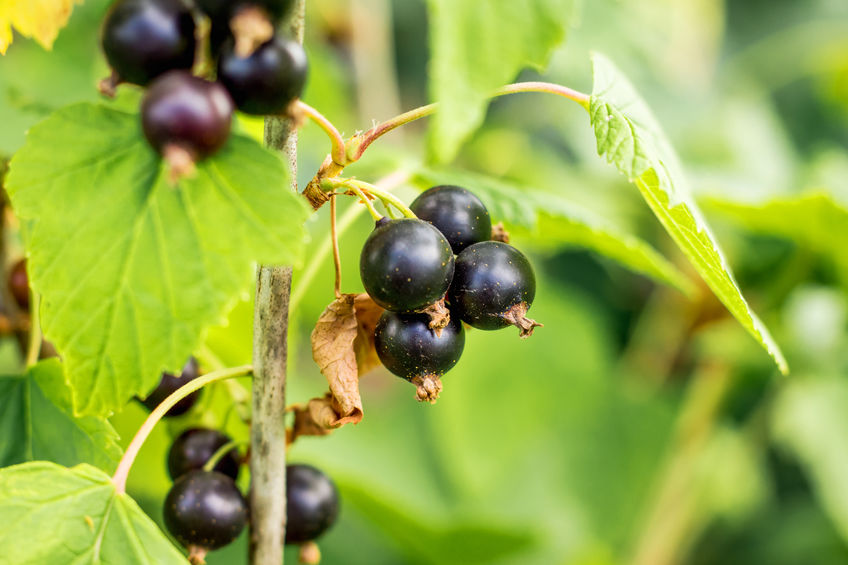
(126, 462)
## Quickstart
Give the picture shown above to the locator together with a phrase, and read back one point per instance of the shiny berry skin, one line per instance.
(144, 38)
(409, 348)
(406, 264)
(19, 284)
(168, 384)
(220, 11)
(491, 278)
(205, 509)
(457, 213)
(193, 448)
(266, 81)
(312, 503)
(188, 112)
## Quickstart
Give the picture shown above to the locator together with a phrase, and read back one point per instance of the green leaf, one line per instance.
(810, 420)
(479, 46)
(37, 422)
(52, 514)
(131, 269)
(819, 222)
(549, 219)
(630, 138)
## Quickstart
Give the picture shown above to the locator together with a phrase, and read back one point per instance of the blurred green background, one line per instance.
(639, 426)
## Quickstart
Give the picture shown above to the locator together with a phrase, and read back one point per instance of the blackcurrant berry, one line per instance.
(144, 38)
(406, 264)
(493, 287)
(185, 112)
(410, 349)
(193, 448)
(169, 383)
(205, 509)
(312, 503)
(457, 213)
(19, 284)
(220, 11)
(266, 81)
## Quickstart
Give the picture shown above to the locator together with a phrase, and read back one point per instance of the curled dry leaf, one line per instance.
(333, 351)
(318, 417)
(367, 316)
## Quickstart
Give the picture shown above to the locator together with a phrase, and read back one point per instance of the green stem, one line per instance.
(386, 197)
(367, 201)
(34, 348)
(338, 152)
(241, 397)
(122, 472)
(219, 454)
(357, 145)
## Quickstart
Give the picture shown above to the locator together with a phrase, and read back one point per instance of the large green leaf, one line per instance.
(479, 46)
(817, 221)
(37, 422)
(630, 138)
(52, 514)
(550, 219)
(131, 269)
(810, 420)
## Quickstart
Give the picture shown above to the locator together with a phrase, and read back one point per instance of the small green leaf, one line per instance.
(131, 269)
(52, 514)
(550, 219)
(37, 422)
(479, 46)
(819, 222)
(630, 138)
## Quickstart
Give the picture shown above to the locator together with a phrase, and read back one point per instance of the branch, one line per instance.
(270, 353)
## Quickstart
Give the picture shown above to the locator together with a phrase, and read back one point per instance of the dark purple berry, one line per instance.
(205, 509)
(195, 446)
(267, 80)
(406, 264)
(19, 284)
(312, 503)
(184, 111)
(144, 38)
(493, 287)
(409, 348)
(168, 384)
(457, 213)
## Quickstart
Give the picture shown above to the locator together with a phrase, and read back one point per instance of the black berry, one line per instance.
(169, 383)
(493, 287)
(410, 349)
(220, 11)
(457, 213)
(312, 503)
(19, 284)
(267, 80)
(406, 264)
(181, 110)
(144, 38)
(193, 448)
(205, 509)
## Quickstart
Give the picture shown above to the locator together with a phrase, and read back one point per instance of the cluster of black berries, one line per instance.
(205, 510)
(184, 117)
(408, 266)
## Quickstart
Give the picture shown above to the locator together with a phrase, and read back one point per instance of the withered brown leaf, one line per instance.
(367, 315)
(333, 351)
